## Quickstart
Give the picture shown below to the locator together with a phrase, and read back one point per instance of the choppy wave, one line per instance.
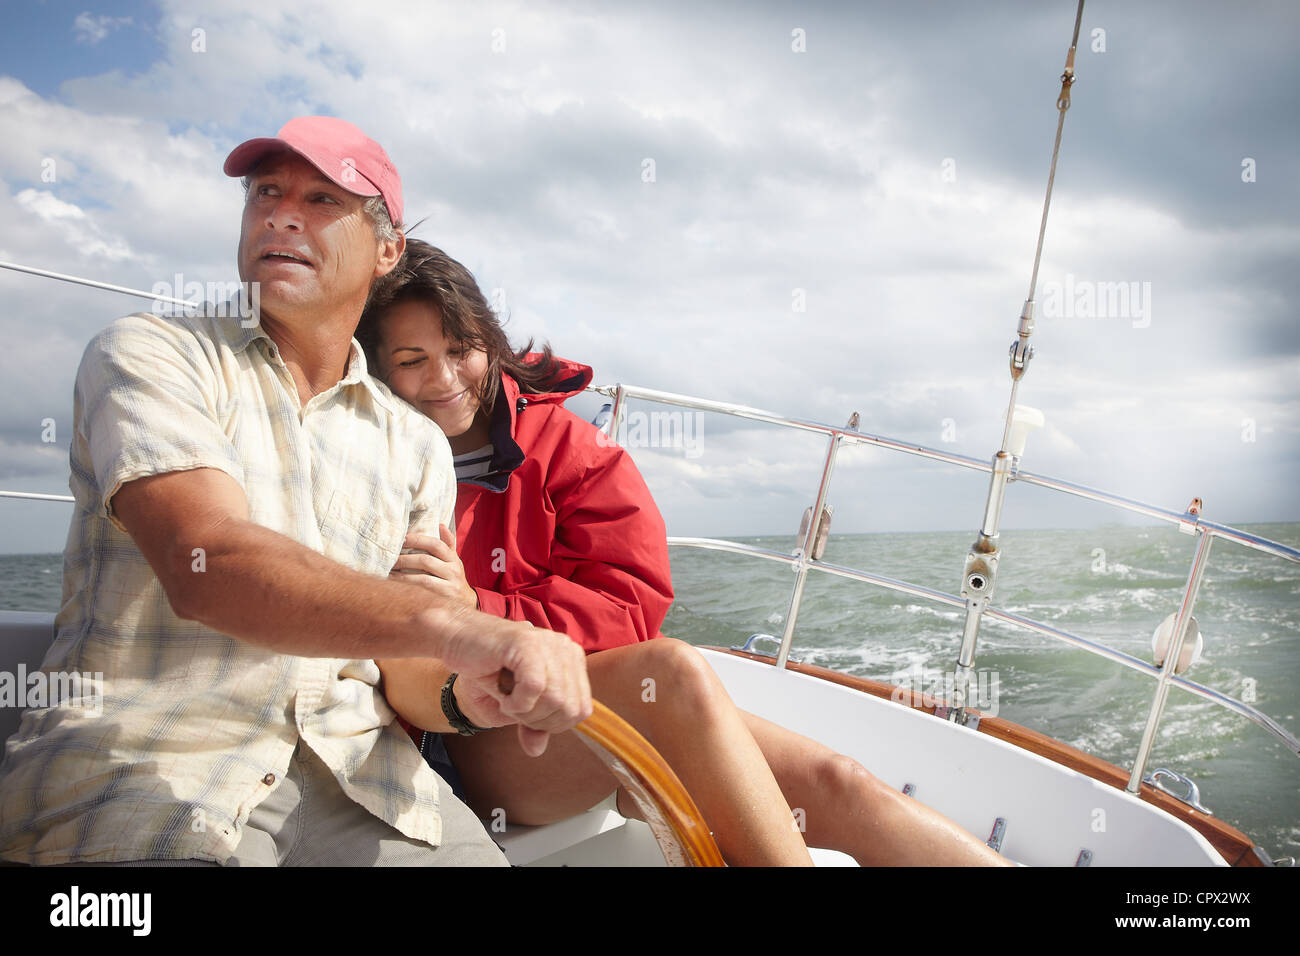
(1112, 585)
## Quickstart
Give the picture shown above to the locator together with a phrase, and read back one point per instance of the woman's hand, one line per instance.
(434, 563)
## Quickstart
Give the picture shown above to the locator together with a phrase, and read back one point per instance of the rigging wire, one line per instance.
(107, 286)
(1062, 105)
(1021, 351)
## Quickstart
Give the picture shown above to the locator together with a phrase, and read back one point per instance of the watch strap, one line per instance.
(451, 710)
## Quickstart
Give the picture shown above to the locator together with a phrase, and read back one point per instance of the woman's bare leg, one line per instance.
(846, 808)
(685, 713)
(668, 692)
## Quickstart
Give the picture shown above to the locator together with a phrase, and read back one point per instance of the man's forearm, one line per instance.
(269, 590)
(266, 589)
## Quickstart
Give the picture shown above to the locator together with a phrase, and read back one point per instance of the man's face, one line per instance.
(307, 241)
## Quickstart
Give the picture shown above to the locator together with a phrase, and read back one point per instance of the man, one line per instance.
(242, 494)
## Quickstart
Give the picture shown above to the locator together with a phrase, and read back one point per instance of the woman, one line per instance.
(556, 526)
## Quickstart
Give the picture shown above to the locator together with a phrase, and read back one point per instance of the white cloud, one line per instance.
(90, 29)
(71, 222)
(775, 172)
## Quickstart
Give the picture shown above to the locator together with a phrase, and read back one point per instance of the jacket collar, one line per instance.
(507, 455)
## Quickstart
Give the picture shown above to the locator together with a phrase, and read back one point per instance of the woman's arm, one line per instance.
(609, 583)
(413, 688)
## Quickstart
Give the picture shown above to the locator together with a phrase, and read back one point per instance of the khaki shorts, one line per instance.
(309, 821)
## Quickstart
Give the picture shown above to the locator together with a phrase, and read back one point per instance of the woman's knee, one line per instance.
(847, 780)
(677, 672)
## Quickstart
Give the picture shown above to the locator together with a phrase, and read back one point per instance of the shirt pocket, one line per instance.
(364, 535)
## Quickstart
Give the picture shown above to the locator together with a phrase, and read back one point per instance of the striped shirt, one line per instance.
(187, 730)
(473, 464)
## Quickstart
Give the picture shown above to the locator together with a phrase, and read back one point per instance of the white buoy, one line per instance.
(1163, 635)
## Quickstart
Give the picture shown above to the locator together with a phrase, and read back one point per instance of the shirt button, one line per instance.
(269, 779)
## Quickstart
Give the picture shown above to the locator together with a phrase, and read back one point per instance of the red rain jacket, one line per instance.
(565, 533)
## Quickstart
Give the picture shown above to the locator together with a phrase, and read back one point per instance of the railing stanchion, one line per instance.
(805, 550)
(1175, 650)
(616, 413)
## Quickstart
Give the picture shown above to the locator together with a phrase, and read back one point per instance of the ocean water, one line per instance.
(1111, 585)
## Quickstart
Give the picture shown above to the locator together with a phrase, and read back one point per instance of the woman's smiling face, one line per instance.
(441, 378)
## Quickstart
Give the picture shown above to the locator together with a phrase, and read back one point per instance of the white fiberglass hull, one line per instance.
(1052, 813)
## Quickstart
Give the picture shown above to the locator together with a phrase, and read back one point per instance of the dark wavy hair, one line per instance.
(427, 274)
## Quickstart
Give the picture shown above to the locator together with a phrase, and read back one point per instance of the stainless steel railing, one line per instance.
(802, 562)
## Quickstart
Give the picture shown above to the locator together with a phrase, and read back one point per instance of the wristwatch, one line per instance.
(459, 722)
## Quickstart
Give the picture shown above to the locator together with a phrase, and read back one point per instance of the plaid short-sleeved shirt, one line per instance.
(189, 729)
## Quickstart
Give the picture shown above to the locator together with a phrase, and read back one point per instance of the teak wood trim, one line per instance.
(672, 815)
(1233, 845)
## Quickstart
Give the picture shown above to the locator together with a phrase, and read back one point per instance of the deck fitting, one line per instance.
(995, 838)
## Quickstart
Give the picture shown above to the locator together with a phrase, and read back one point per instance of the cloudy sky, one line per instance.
(812, 208)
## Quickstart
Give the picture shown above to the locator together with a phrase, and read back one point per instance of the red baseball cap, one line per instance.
(344, 155)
